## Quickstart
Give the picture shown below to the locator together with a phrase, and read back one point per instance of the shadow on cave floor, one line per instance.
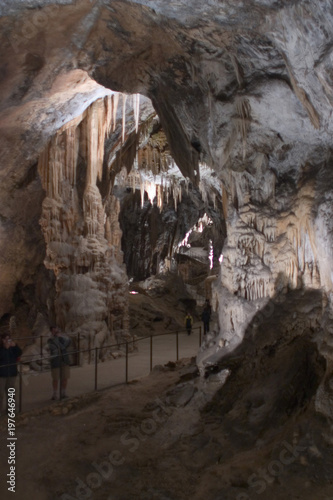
(274, 373)
(266, 412)
(260, 436)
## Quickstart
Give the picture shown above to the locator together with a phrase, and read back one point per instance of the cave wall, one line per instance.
(244, 87)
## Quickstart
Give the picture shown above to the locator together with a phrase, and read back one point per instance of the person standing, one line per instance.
(209, 307)
(188, 323)
(205, 317)
(9, 353)
(59, 360)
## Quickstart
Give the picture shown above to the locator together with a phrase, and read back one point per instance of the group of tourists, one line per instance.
(58, 344)
(205, 318)
(10, 353)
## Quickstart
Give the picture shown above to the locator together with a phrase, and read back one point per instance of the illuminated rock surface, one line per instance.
(243, 92)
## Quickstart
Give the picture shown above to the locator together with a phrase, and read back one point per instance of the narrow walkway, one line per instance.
(36, 386)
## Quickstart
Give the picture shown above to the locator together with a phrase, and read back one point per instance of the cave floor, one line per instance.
(36, 386)
(153, 440)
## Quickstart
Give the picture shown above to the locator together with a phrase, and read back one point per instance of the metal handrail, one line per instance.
(125, 343)
(36, 337)
(114, 331)
(78, 351)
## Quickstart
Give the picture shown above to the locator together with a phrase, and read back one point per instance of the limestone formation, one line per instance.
(243, 92)
(82, 235)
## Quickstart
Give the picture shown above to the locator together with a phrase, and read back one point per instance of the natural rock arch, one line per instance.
(244, 88)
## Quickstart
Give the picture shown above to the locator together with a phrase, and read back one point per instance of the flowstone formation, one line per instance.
(81, 234)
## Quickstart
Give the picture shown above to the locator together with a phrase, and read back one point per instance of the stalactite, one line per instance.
(254, 289)
(213, 195)
(124, 117)
(242, 122)
(160, 196)
(136, 110)
(108, 113)
(97, 123)
(177, 194)
(142, 191)
(154, 163)
(71, 154)
(43, 167)
(115, 102)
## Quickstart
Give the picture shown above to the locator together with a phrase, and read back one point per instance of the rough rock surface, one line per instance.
(243, 87)
(161, 438)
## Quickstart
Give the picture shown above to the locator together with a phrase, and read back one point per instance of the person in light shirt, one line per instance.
(59, 359)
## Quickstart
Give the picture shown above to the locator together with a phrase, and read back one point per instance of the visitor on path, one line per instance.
(209, 307)
(59, 360)
(205, 317)
(9, 353)
(188, 323)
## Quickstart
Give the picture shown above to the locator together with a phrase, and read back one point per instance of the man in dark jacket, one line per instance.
(59, 360)
(205, 318)
(9, 352)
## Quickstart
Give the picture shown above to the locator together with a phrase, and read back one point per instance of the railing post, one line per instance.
(177, 344)
(21, 385)
(89, 355)
(126, 368)
(151, 353)
(41, 352)
(96, 359)
(78, 349)
(60, 375)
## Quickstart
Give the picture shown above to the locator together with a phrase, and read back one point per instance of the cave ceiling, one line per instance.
(203, 65)
(243, 87)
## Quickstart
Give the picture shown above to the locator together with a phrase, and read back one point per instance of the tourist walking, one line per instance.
(59, 361)
(188, 323)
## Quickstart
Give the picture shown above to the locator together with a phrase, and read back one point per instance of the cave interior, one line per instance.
(181, 151)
